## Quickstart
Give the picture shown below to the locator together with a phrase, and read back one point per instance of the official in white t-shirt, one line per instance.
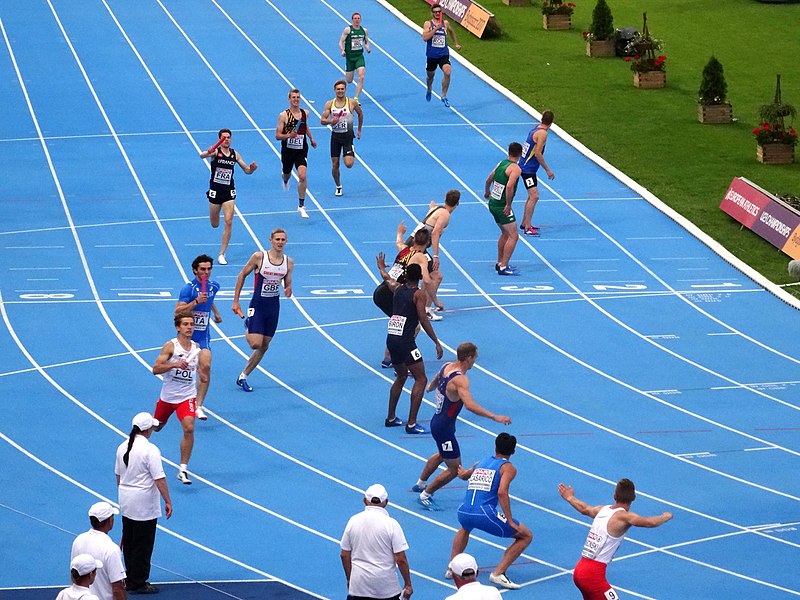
(140, 481)
(373, 546)
(109, 583)
(464, 571)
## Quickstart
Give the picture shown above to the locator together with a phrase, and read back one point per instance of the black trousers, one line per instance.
(138, 538)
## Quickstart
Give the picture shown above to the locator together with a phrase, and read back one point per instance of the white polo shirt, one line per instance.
(139, 498)
(76, 592)
(101, 547)
(373, 538)
(476, 591)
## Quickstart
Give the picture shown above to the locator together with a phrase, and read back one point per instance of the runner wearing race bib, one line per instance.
(339, 114)
(221, 192)
(354, 40)
(530, 161)
(294, 135)
(435, 33)
(273, 270)
(501, 185)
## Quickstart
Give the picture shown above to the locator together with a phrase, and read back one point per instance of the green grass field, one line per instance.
(653, 135)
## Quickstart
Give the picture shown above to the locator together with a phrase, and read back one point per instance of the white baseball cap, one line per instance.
(463, 565)
(145, 421)
(376, 494)
(85, 564)
(102, 510)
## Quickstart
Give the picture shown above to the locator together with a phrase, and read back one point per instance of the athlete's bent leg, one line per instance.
(530, 206)
(459, 542)
(227, 211)
(401, 374)
(187, 441)
(213, 214)
(512, 236)
(445, 80)
(349, 161)
(301, 182)
(204, 375)
(522, 540)
(335, 172)
(259, 343)
(420, 381)
(445, 477)
(360, 84)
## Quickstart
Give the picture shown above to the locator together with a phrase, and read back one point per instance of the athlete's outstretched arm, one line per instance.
(568, 494)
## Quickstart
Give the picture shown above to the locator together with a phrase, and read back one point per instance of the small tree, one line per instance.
(713, 87)
(602, 27)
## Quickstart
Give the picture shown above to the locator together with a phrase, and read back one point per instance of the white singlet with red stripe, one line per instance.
(600, 545)
(180, 384)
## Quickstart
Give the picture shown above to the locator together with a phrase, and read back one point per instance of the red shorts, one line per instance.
(182, 409)
(590, 578)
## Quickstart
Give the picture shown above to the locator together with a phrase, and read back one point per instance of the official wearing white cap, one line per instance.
(140, 480)
(464, 570)
(109, 583)
(82, 570)
(373, 545)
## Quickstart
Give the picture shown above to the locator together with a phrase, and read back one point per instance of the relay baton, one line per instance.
(239, 312)
(215, 146)
(203, 284)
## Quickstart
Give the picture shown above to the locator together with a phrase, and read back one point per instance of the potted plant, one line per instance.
(557, 14)
(775, 141)
(600, 37)
(648, 66)
(712, 106)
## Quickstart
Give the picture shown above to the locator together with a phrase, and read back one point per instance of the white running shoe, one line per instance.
(448, 574)
(284, 184)
(183, 477)
(302, 211)
(503, 581)
(200, 413)
(433, 316)
(222, 260)
(338, 191)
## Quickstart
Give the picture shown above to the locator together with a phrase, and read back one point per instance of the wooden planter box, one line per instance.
(517, 2)
(775, 154)
(715, 113)
(601, 49)
(557, 22)
(650, 79)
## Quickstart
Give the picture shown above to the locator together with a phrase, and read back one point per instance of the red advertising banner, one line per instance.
(764, 214)
(470, 15)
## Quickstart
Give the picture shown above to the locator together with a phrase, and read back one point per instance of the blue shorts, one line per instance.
(203, 339)
(263, 319)
(485, 518)
(444, 434)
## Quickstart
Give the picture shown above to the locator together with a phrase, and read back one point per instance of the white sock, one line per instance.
(422, 483)
(184, 467)
(242, 375)
(425, 495)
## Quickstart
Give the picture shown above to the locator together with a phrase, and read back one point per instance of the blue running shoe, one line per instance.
(446, 102)
(415, 429)
(428, 504)
(396, 422)
(386, 364)
(242, 383)
(417, 489)
(428, 95)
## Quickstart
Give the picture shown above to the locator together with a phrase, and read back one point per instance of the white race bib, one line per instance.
(357, 43)
(481, 480)
(200, 320)
(592, 544)
(396, 271)
(223, 176)
(497, 190)
(439, 41)
(295, 143)
(270, 289)
(396, 325)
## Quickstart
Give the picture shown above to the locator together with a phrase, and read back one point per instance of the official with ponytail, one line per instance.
(140, 481)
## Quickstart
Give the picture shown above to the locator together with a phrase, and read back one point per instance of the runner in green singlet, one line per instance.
(353, 42)
(501, 185)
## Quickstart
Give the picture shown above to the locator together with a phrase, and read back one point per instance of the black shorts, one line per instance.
(437, 62)
(221, 196)
(383, 298)
(529, 180)
(403, 352)
(342, 143)
(291, 158)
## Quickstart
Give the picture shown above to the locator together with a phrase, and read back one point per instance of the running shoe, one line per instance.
(531, 231)
(147, 588)
(302, 211)
(497, 267)
(338, 191)
(428, 95)
(448, 574)
(433, 316)
(446, 102)
(396, 422)
(242, 383)
(386, 364)
(222, 260)
(416, 428)
(284, 184)
(428, 504)
(183, 477)
(200, 413)
(503, 581)
(506, 271)
(417, 489)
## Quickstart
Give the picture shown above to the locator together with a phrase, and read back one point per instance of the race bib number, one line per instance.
(357, 43)
(396, 271)
(295, 143)
(182, 375)
(223, 176)
(525, 147)
(270, 289)
(438, 41)
(416, 354)
(611, 595)
(481, 480)
(447, 446)
(200, 321)
(341, 125)
(250, 312)
(396, 325)
(502, 517)
(529, 182)
(212, 193)
(497, 190)
(594, 542)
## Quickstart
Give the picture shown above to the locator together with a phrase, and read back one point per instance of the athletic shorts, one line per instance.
(263, 320)
(165, 409)
(203, 339)
(291, 158)
(590, 578)
(384, 298)
(342, 143)
(486, 518)
(221, 196)
(529, 180)
(351, 64)
(403, 352)
(444, 434)
(496, 208)
(437, 62)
